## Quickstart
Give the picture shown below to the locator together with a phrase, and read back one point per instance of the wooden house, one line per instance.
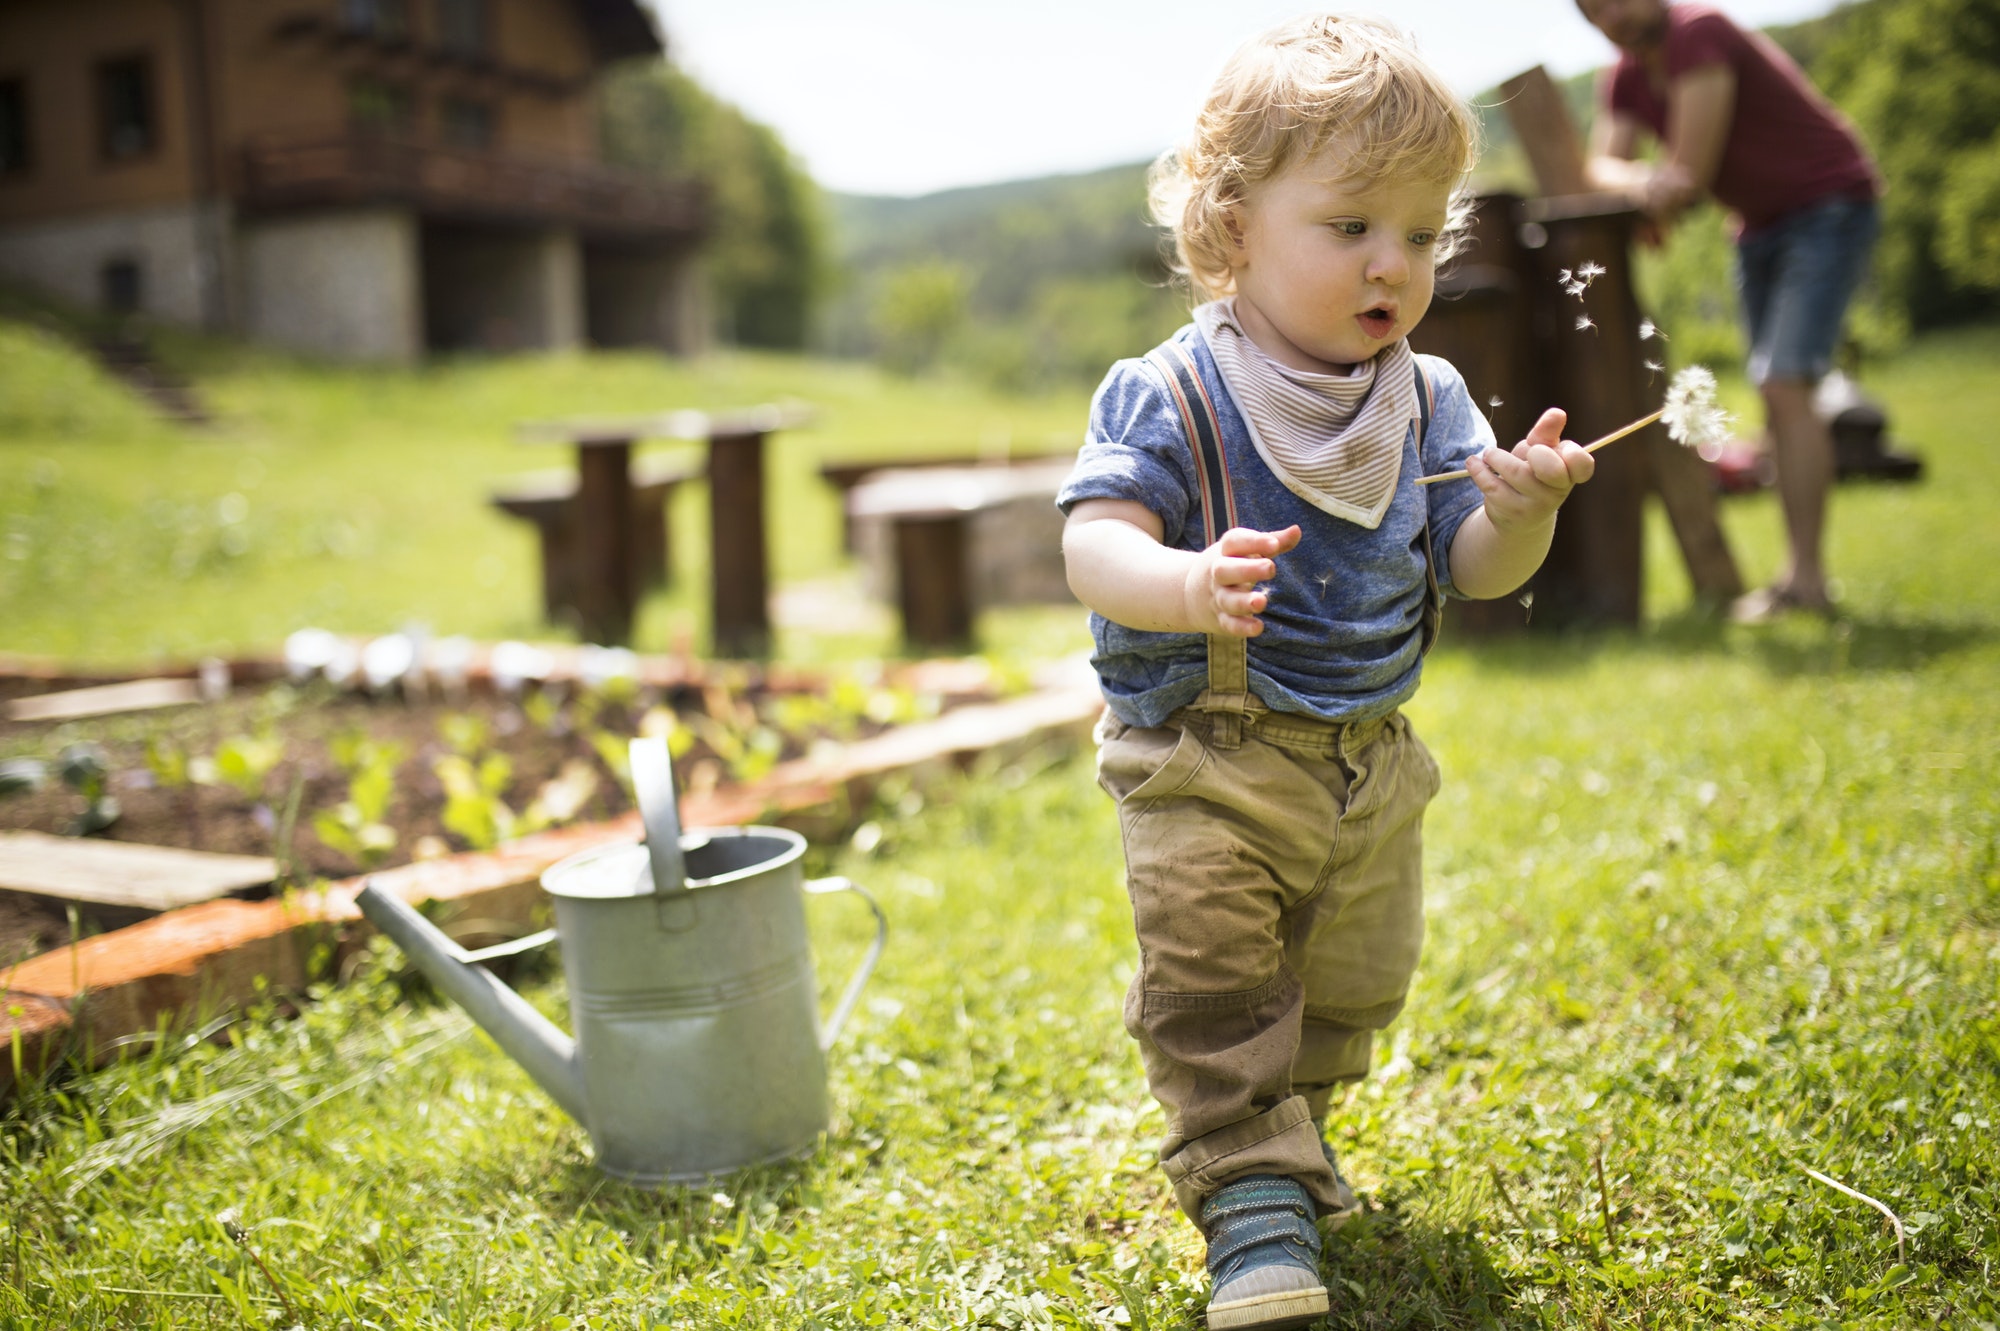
(363, 179)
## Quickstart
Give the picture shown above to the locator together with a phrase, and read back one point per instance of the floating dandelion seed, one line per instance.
(1655, 368)
(1590, 270)
(1575, 288)
(1584, 321)
(1649, 330)
(1692, 417)
(1495, 402)
(1565, 276)
(1527, 599)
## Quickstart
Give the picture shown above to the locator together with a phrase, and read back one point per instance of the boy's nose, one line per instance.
(1389, 265)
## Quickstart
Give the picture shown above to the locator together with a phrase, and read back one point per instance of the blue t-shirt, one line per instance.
(1342, 635)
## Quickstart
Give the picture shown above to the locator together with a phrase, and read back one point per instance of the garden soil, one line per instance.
(538, 737)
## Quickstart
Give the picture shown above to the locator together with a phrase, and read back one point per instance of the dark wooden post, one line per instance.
(739, 577)
(606, 591)
(1593, 572)
(1542, 123)
(1483, 320)
(933, 586)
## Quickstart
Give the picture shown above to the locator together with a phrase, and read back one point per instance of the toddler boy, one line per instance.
(1264, 574)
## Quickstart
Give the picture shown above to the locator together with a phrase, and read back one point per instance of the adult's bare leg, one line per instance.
(1802, 449)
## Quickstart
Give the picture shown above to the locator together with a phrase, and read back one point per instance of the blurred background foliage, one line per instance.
(1040, 283)
(1024, 284)
(766, 257)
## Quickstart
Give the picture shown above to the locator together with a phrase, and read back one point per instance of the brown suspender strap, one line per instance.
(1228, 697)
(1431, 619)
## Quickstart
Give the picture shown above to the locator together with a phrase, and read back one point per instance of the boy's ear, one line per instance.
(1232, 224)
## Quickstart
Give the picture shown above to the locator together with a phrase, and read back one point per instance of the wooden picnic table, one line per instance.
(609, 581)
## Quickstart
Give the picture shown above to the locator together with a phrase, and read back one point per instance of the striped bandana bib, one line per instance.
(1336, 441)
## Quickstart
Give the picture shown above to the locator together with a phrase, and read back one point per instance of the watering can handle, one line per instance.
(659, 811)
(820, 887)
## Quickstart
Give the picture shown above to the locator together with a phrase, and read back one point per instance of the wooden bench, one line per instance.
(947, 541)
(844, 476)
(550, 500)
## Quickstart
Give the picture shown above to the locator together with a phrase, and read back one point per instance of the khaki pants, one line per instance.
(1276, 890)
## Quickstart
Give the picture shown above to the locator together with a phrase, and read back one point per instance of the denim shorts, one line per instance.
(1794, 278)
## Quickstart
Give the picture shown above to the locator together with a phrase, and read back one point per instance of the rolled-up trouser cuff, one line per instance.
(1282, 1140)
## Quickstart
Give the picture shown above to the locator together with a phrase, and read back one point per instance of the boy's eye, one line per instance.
(1349, 226)
(1423, 238)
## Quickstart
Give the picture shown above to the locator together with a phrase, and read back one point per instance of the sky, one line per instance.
(910, 96)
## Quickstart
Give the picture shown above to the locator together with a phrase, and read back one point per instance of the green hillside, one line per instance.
(1028, 281)
(1048, 280)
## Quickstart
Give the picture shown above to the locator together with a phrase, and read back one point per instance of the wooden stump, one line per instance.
(933, 581)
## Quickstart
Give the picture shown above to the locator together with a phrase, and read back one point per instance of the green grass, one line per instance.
(1709, 906)
(355, 499)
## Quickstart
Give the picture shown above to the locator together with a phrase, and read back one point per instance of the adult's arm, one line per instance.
(1614, 146)
(1700, 104)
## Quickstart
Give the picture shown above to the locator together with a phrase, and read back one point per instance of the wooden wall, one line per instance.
(226, 62)
(56, 46)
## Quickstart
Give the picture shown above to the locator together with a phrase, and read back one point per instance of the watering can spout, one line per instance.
(525, 1035)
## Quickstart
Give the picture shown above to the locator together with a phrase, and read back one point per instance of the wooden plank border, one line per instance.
(82, 998)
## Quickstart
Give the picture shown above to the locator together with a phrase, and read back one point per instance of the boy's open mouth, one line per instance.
(1377, 322)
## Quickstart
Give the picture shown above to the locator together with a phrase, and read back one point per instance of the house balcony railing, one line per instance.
(459, 184)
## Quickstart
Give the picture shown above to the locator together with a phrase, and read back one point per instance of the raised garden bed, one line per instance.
(332, 782)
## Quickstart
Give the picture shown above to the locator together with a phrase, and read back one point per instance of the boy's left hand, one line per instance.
(1524, 488)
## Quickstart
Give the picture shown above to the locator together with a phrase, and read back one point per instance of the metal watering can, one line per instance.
(698, 1045)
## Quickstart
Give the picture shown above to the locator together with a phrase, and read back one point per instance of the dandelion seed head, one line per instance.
(1692, 417)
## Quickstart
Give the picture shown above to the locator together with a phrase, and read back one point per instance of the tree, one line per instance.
(921, 306)
(1921, 79)
(765, 254)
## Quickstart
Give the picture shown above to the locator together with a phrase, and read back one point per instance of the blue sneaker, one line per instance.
(1263, 1255)
(1348, 1203)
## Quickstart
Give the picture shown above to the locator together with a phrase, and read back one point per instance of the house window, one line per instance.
(125, 108)
(388, 20)
(121, 286)
(467, 124)
(462, 26)
(13, 126)
(376, 107)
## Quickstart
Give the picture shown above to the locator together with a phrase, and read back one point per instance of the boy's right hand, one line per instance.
(1221, 590)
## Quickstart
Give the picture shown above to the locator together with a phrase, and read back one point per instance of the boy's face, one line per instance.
(1330, 271)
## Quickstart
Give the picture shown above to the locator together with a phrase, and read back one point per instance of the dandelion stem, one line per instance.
(1622, 431)
(1591, 447)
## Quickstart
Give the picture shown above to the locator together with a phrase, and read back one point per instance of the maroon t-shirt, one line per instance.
(1787, 146)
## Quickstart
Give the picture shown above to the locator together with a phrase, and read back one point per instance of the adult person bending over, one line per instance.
(1739, 122)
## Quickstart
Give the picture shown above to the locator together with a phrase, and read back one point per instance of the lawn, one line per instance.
(355, 499)
(1712, 911)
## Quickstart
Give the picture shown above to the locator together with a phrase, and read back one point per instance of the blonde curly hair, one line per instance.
(1280, 98)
